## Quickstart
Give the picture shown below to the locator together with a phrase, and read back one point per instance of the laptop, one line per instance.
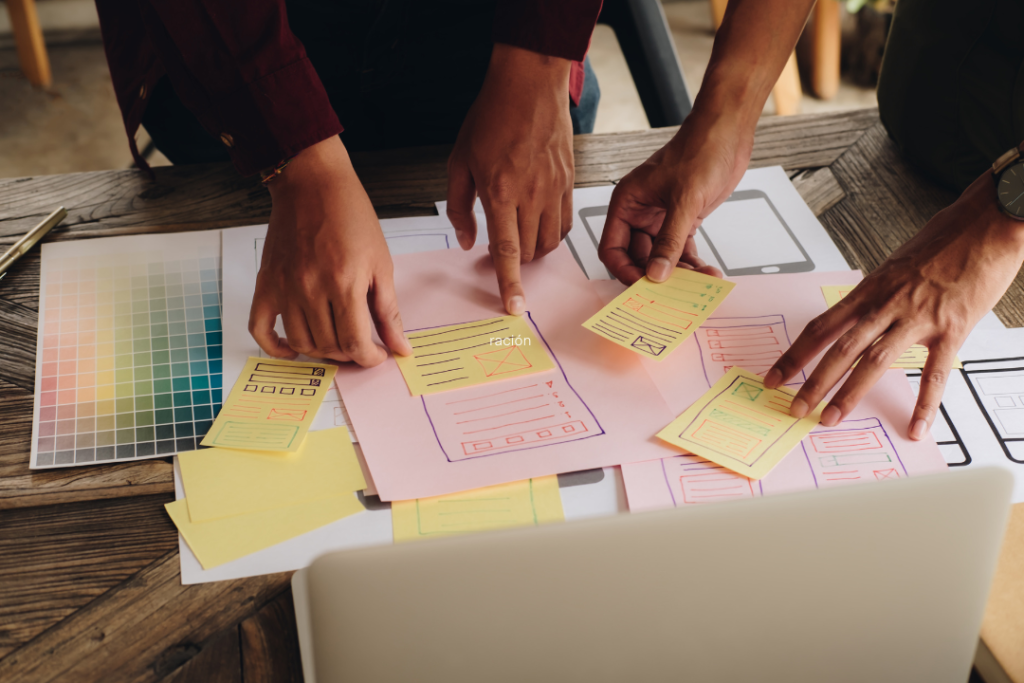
(874, 582)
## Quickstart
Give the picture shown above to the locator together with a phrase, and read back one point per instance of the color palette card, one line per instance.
(914, 357)
(520, 503)
(741, 425)
(653, 318)
(129, 351)
(271, 406)
(465, 355)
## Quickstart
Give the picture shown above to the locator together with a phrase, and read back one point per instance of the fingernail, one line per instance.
(772, 379)
(516, 305)
(464, 240)
(659, 269)
(798, 408)
(918, 429)
(830, 416)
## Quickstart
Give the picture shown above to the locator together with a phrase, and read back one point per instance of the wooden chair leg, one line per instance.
(28, 36)
(787, 90)
(718, 12)
(825, 48)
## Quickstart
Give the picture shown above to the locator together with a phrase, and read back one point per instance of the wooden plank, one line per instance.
(142, 630)
(270, 644)
(105, 203)
(56, 559)
(219, 661)
(886, 203)
(18, 325)
(819, 189)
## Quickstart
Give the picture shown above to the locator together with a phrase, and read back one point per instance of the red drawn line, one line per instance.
(841, 478)
(746, 343)
(510, 424)
(517, 400)
(722, 488)
(738, 408)
(245, 399)
(677, 310)
(668, 315)
(843, 472)
(489, 395)
(491, 417)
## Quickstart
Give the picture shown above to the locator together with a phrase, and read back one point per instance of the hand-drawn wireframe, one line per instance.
(854, 450)
(998, 387)
(751, 343)
(692, 480)
(532, 411)
(653, 318)
(945, 433)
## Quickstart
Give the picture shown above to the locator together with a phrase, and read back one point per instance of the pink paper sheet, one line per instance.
(752, 328)
(870, 445)
(603, 409)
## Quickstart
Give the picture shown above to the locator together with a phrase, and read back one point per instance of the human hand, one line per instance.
(515, 150)
(931, 291)
(657, 207)
(326, 268)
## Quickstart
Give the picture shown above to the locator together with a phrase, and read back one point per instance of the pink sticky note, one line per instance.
(596, 408)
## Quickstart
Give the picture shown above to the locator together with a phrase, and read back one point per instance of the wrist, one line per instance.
(519, 69)
(318, 164)
(980, 200)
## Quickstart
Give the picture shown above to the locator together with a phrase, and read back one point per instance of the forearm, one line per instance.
(751, 48)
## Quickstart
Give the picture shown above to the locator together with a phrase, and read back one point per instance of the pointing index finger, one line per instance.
(503, 231)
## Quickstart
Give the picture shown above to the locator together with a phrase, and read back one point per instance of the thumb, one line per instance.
(461, 196)
(671, 240)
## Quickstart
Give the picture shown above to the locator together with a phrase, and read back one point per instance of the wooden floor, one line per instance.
(90, 588)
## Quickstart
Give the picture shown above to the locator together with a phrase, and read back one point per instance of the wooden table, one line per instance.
(89, 570)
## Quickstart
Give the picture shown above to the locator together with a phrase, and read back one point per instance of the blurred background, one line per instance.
(74, 124)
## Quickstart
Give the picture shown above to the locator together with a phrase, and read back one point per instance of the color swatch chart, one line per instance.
(129, 355)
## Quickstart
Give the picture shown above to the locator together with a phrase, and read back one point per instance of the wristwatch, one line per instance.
(1009, 173)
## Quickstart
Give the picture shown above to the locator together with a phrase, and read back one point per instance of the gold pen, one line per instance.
(29, 240)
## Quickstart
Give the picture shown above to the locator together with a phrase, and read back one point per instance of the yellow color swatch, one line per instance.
(914, 357)
(271, 406)
(741, 425)
(653, 318)
(472, 353)
(521, 503)
(222, 483)
(215, 543)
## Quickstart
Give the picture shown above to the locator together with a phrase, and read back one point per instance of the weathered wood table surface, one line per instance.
(89, 570)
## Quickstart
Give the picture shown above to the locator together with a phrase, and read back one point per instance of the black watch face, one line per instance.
(1011, 190)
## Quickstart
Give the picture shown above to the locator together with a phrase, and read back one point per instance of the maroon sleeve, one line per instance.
(559, 28)
(239, 68)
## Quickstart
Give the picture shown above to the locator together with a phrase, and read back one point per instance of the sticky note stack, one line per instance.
(265, 478)
(239, 502)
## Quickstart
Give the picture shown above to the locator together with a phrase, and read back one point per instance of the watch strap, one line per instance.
(1007, 158)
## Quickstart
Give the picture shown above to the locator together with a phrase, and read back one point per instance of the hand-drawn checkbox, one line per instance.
(309, 392)
(249, 387)
(287, 391)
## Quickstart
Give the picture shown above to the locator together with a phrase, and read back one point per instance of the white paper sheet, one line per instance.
(765, 227)
(981, 421)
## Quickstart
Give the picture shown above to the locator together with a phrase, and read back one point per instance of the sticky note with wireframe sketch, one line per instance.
(471, 353)
(271, 406)
(741, 425)
(653, 318)
(914, 357)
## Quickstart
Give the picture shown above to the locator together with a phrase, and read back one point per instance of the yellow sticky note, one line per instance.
(223, 540)
(653, 318)
(521, 503)
(741, 425)
(271, 406)
(468, 354)
(914, 357)
(221, 483)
